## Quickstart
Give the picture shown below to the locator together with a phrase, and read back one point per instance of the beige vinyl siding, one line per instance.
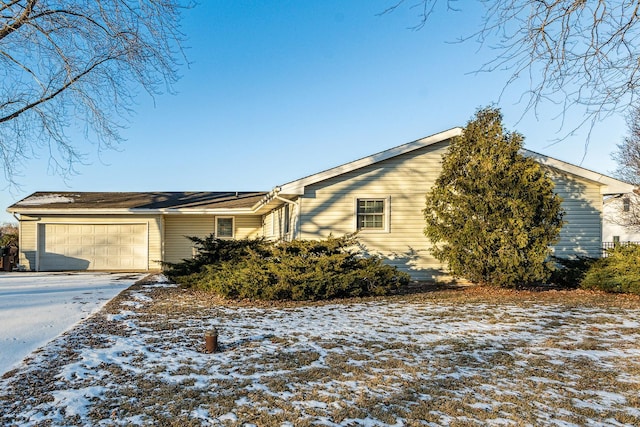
(330, 207)
(28, 242)
(177, 227)
(267, 226)
(403, 181)
(248, 227)
(582, 202)
(29, 234)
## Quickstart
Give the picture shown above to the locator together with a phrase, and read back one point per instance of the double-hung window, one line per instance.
(372, 214)
(224, 227)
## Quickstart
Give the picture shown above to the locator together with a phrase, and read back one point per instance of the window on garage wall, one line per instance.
(224, 227)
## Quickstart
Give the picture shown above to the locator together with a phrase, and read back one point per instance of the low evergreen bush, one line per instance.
(570, 272)
(211, 250)
(618, 272)
(300, 270)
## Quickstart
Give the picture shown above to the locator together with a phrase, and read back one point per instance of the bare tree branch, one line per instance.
(11, 26)
(626, 209)
(628, 151)
(65, 62)
(575, 53)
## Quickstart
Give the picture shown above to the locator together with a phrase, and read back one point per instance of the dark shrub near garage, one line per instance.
(300, 270)
(569, 272)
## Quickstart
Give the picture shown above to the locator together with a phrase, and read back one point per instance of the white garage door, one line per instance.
(92, 247)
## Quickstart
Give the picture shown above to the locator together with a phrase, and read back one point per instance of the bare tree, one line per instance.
(574, 53)
(628, 153)
(625, 209)
(66, 62)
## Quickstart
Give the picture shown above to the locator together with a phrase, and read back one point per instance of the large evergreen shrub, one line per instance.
(297, 270)
(618, 272)
(492, 214)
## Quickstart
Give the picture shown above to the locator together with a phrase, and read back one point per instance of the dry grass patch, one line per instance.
(467, 356)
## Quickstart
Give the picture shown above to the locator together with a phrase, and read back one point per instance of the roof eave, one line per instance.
(129, 211)
(296, 188)
(608, 185)
(268, 202)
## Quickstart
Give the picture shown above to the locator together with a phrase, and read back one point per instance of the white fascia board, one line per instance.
(297, 187)
(242, 211)
(608, 185)
(124, 211)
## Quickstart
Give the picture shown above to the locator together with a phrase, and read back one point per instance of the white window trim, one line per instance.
(386, 214)
(233, 227)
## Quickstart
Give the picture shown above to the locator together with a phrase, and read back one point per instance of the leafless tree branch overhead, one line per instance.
(627, 156)
(70, 61)
(575, 53)
(628, 151)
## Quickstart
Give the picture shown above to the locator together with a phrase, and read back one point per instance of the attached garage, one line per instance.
(64, 247)
(69, 231)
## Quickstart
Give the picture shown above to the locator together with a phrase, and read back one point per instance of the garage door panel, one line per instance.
(93, 247)
(125, 252)
(70, 239)
(74, 229)
(87, 240)
(69, 263)
(101, 251)
(86, 251)
(101, 229)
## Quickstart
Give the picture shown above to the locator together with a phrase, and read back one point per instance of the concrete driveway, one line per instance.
(37, 307)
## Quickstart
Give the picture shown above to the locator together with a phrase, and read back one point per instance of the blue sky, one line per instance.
(279, 90)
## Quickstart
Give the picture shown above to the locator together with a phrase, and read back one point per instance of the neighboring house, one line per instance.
(381, 197)
(621, 219)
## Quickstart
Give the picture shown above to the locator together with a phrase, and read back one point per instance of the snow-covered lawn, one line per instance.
(37, 307)
(470, 357)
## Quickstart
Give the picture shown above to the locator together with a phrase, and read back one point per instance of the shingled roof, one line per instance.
(134, 201)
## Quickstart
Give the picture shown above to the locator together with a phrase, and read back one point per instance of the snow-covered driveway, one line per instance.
(37, 307)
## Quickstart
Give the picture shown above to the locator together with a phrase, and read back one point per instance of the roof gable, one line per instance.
(608, 185)
(297, 187)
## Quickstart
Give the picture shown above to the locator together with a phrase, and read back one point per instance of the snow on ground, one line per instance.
(37, 307)
(380, 362)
